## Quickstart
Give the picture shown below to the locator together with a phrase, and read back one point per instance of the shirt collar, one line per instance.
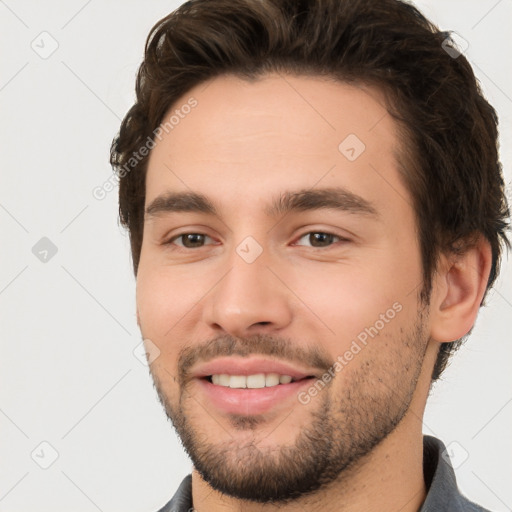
(443, 493)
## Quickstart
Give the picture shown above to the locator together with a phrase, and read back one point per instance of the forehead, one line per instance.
(278, 133)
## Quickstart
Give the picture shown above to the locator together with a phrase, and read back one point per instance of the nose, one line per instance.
(248, 299)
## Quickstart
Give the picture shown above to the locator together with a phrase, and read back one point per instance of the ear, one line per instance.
(458, 288)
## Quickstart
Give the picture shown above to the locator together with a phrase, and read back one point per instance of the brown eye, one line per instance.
(190, 240)
(319, 239)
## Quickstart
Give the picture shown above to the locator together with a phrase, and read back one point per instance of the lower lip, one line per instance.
(250, 401)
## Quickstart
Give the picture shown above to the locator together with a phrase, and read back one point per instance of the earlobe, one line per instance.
(458, 289)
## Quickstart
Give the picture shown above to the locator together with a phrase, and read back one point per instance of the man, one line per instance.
(316, 212)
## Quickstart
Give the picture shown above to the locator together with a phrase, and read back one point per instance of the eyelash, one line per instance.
(182, 248)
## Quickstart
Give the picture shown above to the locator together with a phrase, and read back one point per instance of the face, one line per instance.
(278, 282)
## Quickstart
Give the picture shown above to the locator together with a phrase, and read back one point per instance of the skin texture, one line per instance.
(357, 443)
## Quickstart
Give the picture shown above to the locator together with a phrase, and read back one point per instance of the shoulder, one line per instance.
(443, 493)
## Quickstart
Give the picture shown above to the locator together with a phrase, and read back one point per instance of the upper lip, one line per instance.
(248, 366)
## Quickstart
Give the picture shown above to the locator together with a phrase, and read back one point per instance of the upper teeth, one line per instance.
(258, 380)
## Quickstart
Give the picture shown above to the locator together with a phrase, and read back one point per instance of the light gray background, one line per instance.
(68, 374)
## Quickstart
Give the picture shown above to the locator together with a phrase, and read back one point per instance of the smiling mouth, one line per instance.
(254, 381)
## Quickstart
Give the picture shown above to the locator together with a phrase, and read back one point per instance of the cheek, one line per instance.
(164, 295)
(151, 296)
(347, 299)
(167, 305)
(159, 310)
(332, 299)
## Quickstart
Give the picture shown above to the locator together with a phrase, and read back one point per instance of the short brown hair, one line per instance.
(449, 162)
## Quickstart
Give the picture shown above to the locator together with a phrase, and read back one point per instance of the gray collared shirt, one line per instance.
(443, 494)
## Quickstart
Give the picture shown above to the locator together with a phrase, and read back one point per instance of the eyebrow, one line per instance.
(301, 200)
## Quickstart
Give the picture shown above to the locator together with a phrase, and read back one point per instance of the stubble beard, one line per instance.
(343, 430)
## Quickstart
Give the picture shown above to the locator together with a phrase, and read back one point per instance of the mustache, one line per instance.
(259, 344)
